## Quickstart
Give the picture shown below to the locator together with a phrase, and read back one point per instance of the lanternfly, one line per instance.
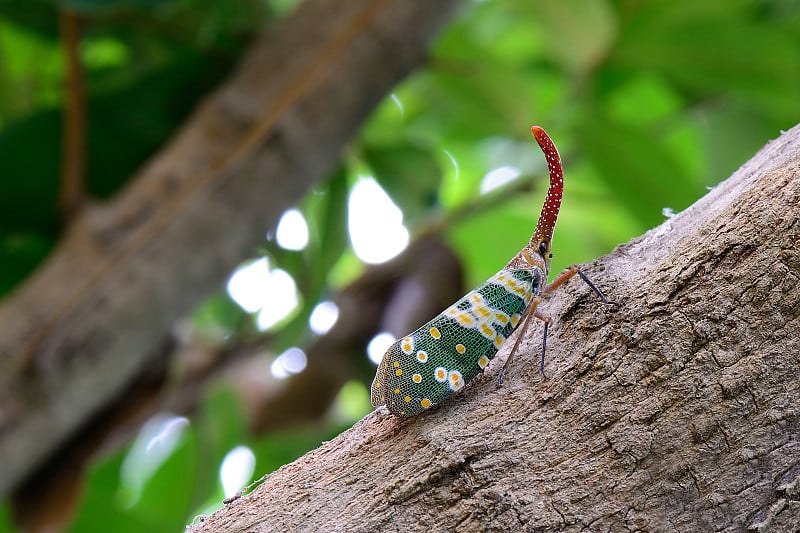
(421, 369)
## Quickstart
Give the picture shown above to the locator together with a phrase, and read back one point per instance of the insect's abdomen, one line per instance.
(421, 369)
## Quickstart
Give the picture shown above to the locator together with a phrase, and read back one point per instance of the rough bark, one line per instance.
(676, 412)
(91, 319)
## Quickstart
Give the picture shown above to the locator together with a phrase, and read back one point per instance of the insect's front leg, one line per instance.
(567, 275)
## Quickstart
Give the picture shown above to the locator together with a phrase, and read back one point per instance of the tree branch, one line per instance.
(93, 317)
(73, 131)
(678, 411)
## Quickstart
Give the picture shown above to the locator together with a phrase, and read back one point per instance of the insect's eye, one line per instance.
(543, 249)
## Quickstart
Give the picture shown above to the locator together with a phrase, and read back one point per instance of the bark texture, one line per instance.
(94, 316)
(676, 412)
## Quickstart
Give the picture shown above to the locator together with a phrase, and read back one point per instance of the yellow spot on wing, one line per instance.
(435, 333)
(501, 318)
(465, 319)
(407, 344)
(487, 331)
(455, 380)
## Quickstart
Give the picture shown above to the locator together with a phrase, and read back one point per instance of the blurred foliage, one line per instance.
(650, 103)
(186, 484)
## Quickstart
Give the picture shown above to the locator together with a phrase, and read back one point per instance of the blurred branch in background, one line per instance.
(269, 404)
(97, 313)
(73, 134)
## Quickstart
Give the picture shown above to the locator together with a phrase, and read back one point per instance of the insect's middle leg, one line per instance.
(529, 313)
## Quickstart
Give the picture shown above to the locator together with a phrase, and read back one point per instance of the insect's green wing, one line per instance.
(377, 394)
(421, 369)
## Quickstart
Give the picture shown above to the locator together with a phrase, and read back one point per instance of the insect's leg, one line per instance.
(530, 312)
(565, 277)
(546, 320)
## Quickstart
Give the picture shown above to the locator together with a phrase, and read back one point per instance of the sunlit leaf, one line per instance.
(710, 50)
(409, 174)
(641, 171)
(579, 32)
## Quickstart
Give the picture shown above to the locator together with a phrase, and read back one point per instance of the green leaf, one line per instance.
(167, 498)
(331, 240)
(89, 6)
(489, 239)
(408, 173)
(6, 525)
(219, 318)
(221, 425)
(280, 448)
(733, 135)
(579, 33)
(20, 252)
(710, 47)
(162, 506)
(644, 99)
(642, 172)
(29, 151)
(99, 507)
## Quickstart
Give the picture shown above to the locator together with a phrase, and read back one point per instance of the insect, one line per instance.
(423, 368)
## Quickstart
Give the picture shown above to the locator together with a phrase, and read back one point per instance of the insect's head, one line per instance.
(543, 236)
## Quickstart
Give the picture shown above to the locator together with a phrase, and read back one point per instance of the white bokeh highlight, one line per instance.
(292, 361)
(271, 293)
(375, 223)
(378, 345)
(236, 470)
(282, 299)
(323, 317)
(399, 104)
(454, 162)
(292, 232)
(157, 440)
(498, 177)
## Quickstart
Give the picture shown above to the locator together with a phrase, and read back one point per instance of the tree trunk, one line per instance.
(677, 411)
(93, 317)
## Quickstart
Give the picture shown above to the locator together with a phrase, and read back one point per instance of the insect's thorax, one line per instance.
(529, 259)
